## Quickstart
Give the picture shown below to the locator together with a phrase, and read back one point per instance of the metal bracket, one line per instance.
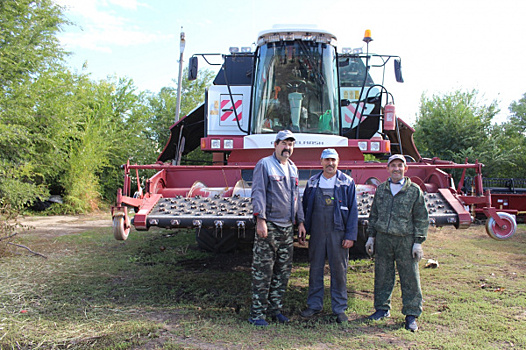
(219, 227)
(240, 228)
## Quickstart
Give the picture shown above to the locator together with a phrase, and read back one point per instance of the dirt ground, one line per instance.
(59, 225)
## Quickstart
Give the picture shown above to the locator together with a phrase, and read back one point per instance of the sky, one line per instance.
(445, 45)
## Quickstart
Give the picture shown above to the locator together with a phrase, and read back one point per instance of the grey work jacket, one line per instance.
(275, 198)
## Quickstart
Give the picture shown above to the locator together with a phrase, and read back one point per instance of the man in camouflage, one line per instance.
(398, 225)
(275, 199)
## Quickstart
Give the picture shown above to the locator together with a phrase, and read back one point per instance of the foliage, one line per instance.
(162, 109)
(511, 136)
(111, 120)
(61, 132)
(457, 127)
(28, 42)
(162, 106)
(29, 52)
(451, 123)
(518, 117)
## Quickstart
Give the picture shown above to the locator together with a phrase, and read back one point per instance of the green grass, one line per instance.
(158, 291)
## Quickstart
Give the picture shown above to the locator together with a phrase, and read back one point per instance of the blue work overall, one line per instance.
(326, 243)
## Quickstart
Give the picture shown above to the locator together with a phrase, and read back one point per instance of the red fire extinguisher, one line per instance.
(389, 117)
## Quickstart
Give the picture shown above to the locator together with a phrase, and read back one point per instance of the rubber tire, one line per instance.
(493, 230)
(119, 232)
(223, 243)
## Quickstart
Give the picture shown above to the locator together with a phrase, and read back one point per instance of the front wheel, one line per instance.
(501, 233)
(121, 228)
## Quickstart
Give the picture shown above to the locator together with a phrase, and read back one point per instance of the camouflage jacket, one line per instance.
(400, 215)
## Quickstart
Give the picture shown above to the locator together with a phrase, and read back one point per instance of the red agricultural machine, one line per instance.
(294, 79)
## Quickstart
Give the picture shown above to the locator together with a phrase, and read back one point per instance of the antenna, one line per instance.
(180, 80)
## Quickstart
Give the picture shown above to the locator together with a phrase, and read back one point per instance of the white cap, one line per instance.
(396, 156)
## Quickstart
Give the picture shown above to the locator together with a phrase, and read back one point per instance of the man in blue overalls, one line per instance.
(331, 219)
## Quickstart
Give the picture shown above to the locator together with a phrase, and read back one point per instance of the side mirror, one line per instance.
(398, 70)
(192, 68)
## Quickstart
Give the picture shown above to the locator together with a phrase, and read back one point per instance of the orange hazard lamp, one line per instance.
(367, 36)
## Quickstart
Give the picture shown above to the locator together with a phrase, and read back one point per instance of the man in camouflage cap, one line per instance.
(397, 228)
(275, 199)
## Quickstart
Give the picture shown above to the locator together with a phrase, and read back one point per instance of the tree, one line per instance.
(511, 138)
(450, 124)
(162, 107)
(28, 42)
(518, 116)
(59, 132)
(64, 133)
(457, 127)
(29, 49)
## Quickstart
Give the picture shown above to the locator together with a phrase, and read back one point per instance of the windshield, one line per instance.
(296, 88)
(352, 72)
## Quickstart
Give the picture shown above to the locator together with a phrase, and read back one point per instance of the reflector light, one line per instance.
(347, 50)
(228, 144)
(357, 51)
(362, 146)
(233, 49)
(246, 49)
(215, 144)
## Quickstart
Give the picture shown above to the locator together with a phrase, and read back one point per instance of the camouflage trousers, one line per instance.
(390, 249)
(271, 267)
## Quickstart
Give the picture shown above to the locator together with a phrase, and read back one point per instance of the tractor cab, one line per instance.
(296, 84)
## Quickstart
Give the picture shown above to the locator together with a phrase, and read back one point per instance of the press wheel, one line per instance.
(120, 230)
(501, 233)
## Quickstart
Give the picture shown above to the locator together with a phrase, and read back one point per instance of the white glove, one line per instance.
(369, 246)
(418, 252)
